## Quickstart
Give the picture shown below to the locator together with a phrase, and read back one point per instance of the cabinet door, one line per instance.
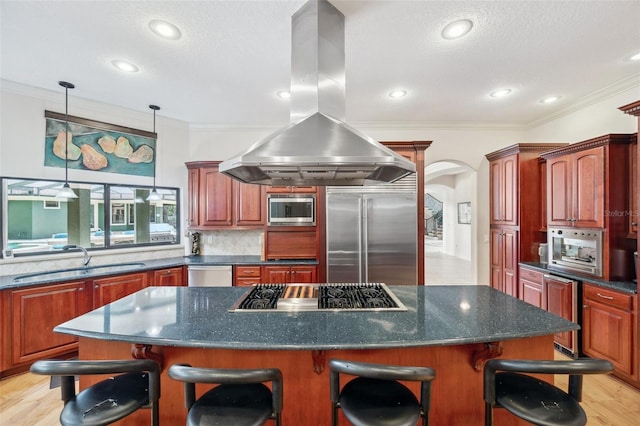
(193, 194)
(588, 198)
(559, 191)
(510, 262)
(249, 204)
(633, 194)
(510, 190)
(495, 191)
(168, 277)
(276, 274)
(216, 198)
(496, 259)
(303, 274)
(607, 334)
(560, 296)
(36, 311)
(107, 290)
(247, 275)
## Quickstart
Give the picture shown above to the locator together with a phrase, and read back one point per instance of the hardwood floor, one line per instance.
(26, 400)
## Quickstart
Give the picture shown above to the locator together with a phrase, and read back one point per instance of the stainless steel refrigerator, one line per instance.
(371, 236)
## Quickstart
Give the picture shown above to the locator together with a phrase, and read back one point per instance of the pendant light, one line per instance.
(154, 195)
(66, 191)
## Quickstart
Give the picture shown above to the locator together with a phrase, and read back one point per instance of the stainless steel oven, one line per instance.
(291, 210)
(575, 250)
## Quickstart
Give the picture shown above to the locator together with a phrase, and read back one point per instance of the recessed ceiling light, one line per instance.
(457, 29)
(635, 57)
(398, 94)
(124, 65)
(500, 93)
(165, 29)
(284, 94)
(549, 99)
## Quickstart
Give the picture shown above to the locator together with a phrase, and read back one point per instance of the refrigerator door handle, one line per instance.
(364, 249)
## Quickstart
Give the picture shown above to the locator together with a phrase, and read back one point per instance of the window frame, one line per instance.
(106, 214)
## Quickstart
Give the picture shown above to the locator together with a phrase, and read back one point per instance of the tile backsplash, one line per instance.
(225, 243)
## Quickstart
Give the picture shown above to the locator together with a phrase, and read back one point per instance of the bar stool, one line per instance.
(375, 397)
(241, 398)
(109, 400)
(535, 400)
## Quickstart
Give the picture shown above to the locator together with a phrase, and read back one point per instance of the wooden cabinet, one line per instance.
(633, 189)
(107, 290)
(168, 277)
(218, 202)
(515, 214)
(504, 260)
(289, 274)
(503, 197)
(576, 189)
(247, 275)
(609, 328)
(560, 296)
(531, 287)
(34, 312)
(292, 243)
(291, 189)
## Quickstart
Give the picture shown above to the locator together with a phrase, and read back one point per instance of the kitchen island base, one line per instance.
(457, 397)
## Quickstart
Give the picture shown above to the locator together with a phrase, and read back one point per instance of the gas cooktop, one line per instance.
(318, 297)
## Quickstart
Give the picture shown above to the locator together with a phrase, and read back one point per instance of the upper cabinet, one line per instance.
(216, 201)
(504, 197)
(587, 183)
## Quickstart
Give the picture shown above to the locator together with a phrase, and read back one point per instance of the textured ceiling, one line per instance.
(235, 55)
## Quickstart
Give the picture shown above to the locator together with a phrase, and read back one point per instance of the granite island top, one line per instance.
(199, 317)
(97, 270)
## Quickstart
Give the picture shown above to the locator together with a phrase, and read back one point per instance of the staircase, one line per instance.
(432, 217)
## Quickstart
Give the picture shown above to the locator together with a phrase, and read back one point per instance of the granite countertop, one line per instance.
(199, 317)
(629, 287)
(95, 270)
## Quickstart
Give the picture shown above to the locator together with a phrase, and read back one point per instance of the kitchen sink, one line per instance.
(80, 272)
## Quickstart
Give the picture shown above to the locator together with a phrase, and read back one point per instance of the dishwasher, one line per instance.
(210, 276)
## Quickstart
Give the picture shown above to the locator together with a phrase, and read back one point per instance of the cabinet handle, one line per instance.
(585, 306)
(81, 289)
(605, 297)
(633, 224)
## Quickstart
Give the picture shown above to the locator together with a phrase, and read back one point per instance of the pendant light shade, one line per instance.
(66, 191)
(154, 195)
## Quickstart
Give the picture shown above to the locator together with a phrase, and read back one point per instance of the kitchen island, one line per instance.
(450, 328)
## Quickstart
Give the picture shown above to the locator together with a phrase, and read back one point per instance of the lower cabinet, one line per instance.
(34, 312)
(609, 328)
(107, 290)
(504, 260)
(246, 275)
(168, 277)
(531, 287)
(289, 274)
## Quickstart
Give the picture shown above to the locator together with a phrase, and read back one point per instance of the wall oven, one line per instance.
(297, 210)
(575, 250)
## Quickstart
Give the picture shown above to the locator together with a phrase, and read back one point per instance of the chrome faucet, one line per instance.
(87, 258)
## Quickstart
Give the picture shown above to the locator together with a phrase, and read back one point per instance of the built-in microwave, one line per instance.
(575, 249)
(299, 209)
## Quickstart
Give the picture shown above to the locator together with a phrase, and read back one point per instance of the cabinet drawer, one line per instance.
(531, 275)
(608, 297)
(247, 271)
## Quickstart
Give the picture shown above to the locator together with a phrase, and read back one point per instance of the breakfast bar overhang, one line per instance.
(452, 329)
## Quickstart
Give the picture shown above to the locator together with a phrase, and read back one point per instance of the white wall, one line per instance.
(464, 191)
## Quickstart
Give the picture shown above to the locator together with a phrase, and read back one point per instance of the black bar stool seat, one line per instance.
(509, 385)
(375, 396)
(232, 404)
(367, 401)
(136, 386)
(107, 401)
(537, 401)
(240, 397)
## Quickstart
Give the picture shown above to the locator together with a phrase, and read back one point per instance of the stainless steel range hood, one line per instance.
(318, 148)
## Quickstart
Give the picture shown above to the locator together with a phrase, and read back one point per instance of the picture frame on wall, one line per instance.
(464, 213)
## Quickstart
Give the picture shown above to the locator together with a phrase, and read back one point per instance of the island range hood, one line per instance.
(317, 148)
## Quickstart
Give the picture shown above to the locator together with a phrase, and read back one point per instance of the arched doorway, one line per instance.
(450, 246)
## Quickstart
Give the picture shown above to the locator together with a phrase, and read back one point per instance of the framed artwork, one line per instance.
(464, 213)
(97, 146)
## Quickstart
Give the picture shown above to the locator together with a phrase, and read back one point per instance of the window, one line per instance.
(103, 216)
